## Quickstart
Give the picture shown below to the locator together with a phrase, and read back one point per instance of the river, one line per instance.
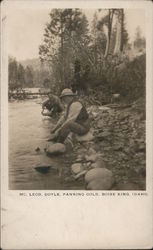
(28, 129)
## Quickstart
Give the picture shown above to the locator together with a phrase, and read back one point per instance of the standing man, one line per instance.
(75, 118)
(76, 79)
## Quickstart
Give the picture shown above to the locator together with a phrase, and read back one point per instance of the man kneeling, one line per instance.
(75, 118)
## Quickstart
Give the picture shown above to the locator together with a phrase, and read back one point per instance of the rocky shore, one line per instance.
(117, 148)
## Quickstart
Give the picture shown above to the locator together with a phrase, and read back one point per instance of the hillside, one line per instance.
(35, 64)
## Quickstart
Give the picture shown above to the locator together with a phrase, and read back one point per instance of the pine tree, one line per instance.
(29, 76)
(139, 41)
(13, 73)
(21, 79)
(64, 37)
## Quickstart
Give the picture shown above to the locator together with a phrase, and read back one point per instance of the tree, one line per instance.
(21, 78)
(29, 76)
(64, 35)
(13, 73)
(46, 83)
(139, 41)
(121, 33)
(97, 45)
(107, 21)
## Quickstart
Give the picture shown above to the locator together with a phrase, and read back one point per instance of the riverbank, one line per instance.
(118, 145)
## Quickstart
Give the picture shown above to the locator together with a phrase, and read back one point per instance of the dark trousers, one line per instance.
(73, 127)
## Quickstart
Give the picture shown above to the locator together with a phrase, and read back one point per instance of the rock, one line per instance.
(79, 159)
(103, 135)
(84, 138)
(97, 173)
(91, 158)
(142, 147)
(91, 151)
(69, 179)
(92, 108)
(100, 124)
(94, 114)
(117, 147)
(76, 168)
(42, 169)
(80, 174)
(55, 149)
(88, 164)
(104, 108)
(100, 184)
(142, 172)
(37, 149)
(98, 164)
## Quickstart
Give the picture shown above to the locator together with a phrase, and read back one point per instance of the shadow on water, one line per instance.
(28, 130)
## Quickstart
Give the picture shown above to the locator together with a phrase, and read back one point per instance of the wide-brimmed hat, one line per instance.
(67, 92)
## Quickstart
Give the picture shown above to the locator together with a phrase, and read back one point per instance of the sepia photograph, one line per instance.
(76, 124)
(77, 99)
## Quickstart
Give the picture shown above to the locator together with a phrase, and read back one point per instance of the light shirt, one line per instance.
(74, 111)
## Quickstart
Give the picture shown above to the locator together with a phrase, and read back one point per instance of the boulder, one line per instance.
(55, 149)
(84, 138)
(76, 168)
(97, 173)
(100, 184)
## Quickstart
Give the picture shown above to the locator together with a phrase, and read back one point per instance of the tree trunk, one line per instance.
(62, 53)
(110, 21)
(122, 29)
(119, 33)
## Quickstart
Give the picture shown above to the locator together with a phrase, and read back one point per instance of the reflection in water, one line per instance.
(27, 131)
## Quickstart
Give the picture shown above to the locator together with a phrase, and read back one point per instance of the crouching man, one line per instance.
(53, 106)
(75, 118)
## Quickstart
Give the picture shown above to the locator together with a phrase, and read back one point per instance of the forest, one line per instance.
(94, 58)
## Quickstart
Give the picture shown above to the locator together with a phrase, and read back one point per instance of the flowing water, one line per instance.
(28, 129)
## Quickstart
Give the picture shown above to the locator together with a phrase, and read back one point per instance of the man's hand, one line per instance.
(42, 112)
(53, 136)
(53, 130)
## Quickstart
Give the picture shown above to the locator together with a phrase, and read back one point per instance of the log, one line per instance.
(28, 93)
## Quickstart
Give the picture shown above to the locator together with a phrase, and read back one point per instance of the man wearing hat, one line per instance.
(75, 118)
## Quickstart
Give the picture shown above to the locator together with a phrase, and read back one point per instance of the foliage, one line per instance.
(16, 76)
(139, 41)
(121, 76)
(92, 61)
(64, 40)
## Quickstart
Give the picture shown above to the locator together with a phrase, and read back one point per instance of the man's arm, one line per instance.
(59, 123)
(44, 103)
(73, 114)
(58, 103)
